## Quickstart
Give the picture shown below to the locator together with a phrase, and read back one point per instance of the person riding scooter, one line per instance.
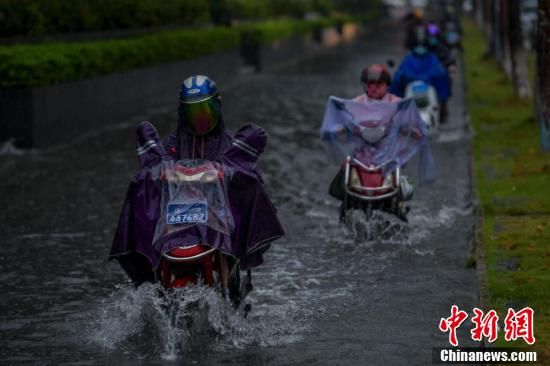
(374, 141)
(437, 46)
(421, 64)
(375, 80)
(414, 23)
(200, 139)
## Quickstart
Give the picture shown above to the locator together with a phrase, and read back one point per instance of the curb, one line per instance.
(477, 254)
(478, 247)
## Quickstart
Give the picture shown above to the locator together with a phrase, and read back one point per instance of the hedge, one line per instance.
(39, 18)
(43, 17)
(56, 62)
(51, 63)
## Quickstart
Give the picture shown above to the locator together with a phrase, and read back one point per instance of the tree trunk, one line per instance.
(518, 58)
(479, 11)
(542, 96)
(497, 33)
(505, 36)
(488, 11)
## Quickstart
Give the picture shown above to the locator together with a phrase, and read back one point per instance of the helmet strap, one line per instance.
(202, 148)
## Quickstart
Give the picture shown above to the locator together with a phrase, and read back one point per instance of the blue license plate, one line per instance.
(187, 213)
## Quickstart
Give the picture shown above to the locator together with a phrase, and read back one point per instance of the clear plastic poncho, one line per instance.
(193, 192)
(378, 133)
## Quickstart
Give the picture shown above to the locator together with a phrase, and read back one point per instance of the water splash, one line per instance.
(8, 148)
(172, 324)
(380, 227)
(118, 317)
(426, 221)
(386, 228)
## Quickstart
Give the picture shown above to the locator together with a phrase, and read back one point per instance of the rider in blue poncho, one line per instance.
(421, 64)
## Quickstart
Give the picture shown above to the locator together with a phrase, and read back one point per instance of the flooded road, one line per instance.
(325, 294)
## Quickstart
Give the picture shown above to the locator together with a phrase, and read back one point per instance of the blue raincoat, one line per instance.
(427, 68)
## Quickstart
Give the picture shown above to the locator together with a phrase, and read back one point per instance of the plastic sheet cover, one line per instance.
(378, 133)
(193, 192)
(253, 216)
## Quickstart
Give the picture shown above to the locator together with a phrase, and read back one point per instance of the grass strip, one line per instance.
(513, 183)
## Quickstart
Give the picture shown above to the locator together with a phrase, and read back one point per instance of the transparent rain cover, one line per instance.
(378, 133)
(193, 192)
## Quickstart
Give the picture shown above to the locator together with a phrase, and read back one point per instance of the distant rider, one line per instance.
(437, 45)
(414, 23)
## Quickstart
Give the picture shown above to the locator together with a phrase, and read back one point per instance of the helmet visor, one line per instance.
(202, 116)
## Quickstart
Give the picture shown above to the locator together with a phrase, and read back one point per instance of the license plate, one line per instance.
(187, 213)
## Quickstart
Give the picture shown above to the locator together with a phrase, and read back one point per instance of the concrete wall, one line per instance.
(50, 115)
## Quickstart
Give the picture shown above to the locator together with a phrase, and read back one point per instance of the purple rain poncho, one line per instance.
(255, 221)
(378, 133)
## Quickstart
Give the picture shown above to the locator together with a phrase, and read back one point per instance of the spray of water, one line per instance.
(170, 324)
(386, 228)
(8, 148)
(380, 227)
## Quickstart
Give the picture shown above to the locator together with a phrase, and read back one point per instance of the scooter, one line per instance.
(452, 35)
(191, 192)
(375, 140)
(201, 264)
(367, 188)
(425, 97)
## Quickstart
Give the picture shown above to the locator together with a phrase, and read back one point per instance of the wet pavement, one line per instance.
(326, 296)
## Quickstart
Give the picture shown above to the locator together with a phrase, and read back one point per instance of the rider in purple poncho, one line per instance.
(200, 134)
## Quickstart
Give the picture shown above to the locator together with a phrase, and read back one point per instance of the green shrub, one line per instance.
(47, 17)
(42, 17)
(55, 62)
(50, 63)
(249, 9)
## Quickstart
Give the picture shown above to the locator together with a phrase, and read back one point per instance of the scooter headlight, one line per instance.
(354, 178)
(388, 180)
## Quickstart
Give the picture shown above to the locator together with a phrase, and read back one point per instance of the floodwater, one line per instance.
(326, 295)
